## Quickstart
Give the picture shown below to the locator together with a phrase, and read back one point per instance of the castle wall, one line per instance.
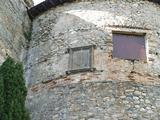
(118, 88)
(14, 28)
(101, 100)
(92, 23)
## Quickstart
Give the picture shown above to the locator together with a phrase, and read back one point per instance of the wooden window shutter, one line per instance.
(76, 60)
(85, 58)
(80, 59)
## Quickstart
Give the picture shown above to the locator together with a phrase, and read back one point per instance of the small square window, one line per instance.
(80, 59)
(131, 47)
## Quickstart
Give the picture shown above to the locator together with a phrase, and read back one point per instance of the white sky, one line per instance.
(37, 1)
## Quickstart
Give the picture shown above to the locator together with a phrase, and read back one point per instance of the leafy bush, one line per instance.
(1, 96)
(13, 93)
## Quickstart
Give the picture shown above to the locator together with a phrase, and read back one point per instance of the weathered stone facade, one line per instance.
(100, 100)
(92, 23)
(118, 89)
(14, 28)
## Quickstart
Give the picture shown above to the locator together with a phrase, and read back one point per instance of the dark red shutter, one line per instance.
(129, 47)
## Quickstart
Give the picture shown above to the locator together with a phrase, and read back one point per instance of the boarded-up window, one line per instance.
(130, 47)
(80, 59)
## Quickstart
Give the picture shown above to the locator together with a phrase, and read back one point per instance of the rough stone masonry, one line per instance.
(100, 100)
(14, 29)
(118, 89)
(93, 23)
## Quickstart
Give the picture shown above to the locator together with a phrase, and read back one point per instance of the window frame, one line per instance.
(70, 51)
(132, 34)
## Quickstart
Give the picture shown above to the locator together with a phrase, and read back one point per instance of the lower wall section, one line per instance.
(102, 100)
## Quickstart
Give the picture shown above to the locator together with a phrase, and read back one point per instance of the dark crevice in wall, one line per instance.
(28, 36)
(131, 74)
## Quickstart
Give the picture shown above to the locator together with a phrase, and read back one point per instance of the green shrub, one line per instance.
(14, 91)
(1, 96)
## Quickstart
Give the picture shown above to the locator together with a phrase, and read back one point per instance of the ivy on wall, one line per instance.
(12, 91)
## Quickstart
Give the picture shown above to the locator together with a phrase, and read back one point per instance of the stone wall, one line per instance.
(98, 100)
(118, 89)
(14, 29)
(92, 23)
